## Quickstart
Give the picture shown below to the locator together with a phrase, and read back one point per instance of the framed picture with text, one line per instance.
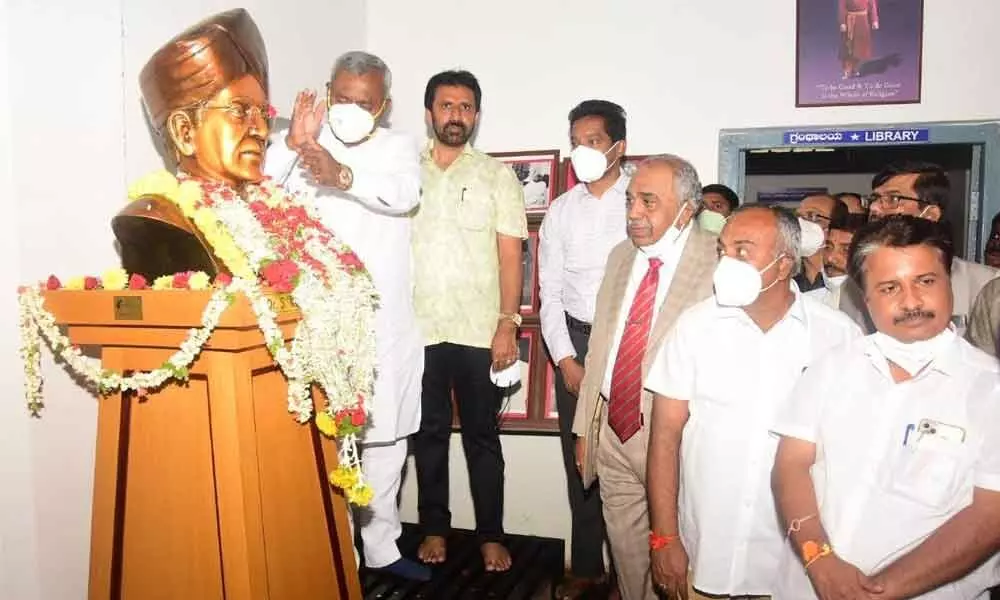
(856, 52)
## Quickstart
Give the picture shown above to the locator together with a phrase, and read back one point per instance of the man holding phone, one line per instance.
(888, 481)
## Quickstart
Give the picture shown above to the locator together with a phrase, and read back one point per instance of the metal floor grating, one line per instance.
(537, 564)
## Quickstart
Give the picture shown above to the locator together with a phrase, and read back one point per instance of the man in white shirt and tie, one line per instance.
(366, 179)
(718, 379)
(576, 236)
(887, 476)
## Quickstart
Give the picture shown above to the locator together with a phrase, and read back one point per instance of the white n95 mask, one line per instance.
(350, 123)
(812, 237)
(738, 283)
(505, 378)
(589, 164)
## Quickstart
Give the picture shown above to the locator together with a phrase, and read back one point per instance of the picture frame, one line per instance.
(538, 172)
(850, 58)
(551, 409)
(517, 398)
(529, 269)
(629, 163)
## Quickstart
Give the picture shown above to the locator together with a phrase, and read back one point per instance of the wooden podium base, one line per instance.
(207, 489)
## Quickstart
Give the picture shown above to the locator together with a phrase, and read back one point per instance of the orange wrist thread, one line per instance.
(659, 542)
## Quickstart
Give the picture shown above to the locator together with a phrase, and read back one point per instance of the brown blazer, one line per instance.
(691, 283)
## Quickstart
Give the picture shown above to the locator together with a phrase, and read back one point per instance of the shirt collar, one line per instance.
(429, 146)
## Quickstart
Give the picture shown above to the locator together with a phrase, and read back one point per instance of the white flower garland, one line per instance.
(37, 323)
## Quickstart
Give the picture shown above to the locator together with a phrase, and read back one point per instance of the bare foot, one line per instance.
(495, 556)
(433, 550)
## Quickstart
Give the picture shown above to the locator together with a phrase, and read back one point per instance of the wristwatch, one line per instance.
(345, 178)
(514, 318)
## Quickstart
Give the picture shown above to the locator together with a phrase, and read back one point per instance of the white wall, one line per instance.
(71, 136)
(683, 69)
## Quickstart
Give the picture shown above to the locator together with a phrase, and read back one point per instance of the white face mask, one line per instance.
(812, 237)
(833, 282)
(711, 221)
(505, 378)
(589, 164)
(350, 123)
(738, 283)
(914, 356)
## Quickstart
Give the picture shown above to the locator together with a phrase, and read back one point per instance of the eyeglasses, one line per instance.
(243, 112)
(815, 217)
(890, 201)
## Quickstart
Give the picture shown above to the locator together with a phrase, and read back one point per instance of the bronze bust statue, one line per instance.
(205, 92)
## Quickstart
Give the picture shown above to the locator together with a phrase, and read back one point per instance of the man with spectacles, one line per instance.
(821, 209)
(366, 179)
(922, 190)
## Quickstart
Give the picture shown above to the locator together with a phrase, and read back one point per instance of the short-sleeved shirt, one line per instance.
(882, 486)
(733, 377)
(456, 266)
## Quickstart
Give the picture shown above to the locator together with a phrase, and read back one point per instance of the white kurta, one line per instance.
(733, 377)
(373, 217)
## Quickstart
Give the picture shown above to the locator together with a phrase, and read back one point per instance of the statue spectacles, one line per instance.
(243, 112)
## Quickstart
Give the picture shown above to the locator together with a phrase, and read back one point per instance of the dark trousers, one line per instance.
(467, 369)
(587, 558)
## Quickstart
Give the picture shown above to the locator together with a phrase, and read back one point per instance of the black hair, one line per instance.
(453, 78)
(932, 185)
(849, 222)
(725, 191)
(897, 231)
(612, 114)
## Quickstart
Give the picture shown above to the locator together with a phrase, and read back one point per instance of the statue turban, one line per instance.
(200, 62)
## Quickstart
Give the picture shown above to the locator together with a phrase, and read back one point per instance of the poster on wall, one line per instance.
(851, 52)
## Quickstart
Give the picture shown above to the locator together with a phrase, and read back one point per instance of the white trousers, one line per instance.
(379, 521)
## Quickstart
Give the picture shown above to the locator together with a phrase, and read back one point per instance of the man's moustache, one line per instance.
(913, 315)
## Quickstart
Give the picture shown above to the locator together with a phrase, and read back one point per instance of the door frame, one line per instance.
(984, 199)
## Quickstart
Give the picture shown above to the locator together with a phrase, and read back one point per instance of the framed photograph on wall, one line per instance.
(850, 52)
(529, 269)
(537, 172)
(629, 163)
(551, 409)
(517, 398)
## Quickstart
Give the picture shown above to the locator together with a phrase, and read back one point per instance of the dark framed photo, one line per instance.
(517, 398)
(629, 163)
(529, 269)
(538, 172)
(851, 52)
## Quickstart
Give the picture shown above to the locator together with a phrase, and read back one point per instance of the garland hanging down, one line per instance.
(264, 234)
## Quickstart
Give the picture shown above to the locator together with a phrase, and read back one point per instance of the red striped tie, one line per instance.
(624, 413)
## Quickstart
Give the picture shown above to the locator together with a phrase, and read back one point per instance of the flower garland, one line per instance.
(263, 232)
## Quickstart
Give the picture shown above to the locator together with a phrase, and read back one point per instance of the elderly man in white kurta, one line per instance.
(366, 180)
(718, 380)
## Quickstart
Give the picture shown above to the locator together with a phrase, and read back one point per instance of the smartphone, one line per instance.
(942, 431)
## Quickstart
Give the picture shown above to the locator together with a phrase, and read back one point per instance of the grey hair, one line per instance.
(789, 240)
(359, 63)
(687, 186)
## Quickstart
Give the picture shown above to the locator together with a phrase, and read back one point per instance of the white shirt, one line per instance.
(826, 295)
(577, 235)
(881, 487)
(373, 218)
(670, 253)
(733, 377)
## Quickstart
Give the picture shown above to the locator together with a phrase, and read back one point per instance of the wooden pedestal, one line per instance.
(209, 489)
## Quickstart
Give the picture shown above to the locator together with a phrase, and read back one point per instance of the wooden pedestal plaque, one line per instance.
(210, 489)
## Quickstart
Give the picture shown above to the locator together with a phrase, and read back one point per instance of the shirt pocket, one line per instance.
(475, 210)
(929, 472)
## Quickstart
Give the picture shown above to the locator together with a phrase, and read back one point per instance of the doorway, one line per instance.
(783, 164)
